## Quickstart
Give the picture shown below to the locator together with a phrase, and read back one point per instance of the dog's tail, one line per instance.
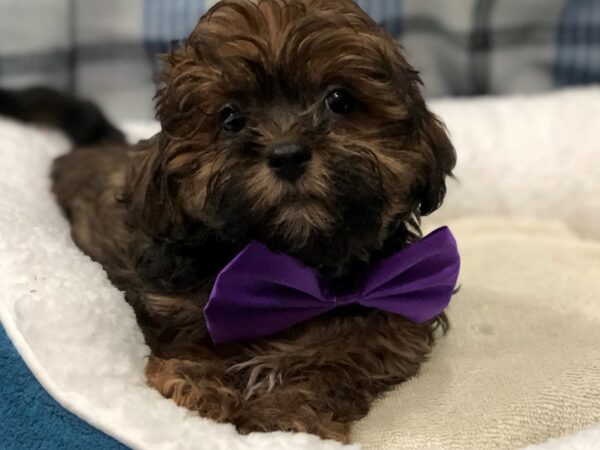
(81, 120)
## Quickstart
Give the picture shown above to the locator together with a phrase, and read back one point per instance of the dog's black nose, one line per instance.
(289, 160)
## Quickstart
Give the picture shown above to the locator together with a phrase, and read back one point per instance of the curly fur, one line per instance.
(165, 216)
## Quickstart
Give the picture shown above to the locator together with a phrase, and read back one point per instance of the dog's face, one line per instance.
(294, 122)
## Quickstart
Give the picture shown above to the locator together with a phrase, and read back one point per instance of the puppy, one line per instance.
(297, 123)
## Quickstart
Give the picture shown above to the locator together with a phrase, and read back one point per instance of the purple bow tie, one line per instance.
(260, 292)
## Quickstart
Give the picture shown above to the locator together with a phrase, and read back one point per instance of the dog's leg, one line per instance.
(292, 407)
(183, 366)
(200, 386)
(321, 382)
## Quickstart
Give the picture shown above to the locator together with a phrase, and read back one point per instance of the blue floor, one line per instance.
(30, 419)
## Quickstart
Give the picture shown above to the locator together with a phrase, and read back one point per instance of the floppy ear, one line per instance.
(440, 158)
(426, 132)
(151, 193)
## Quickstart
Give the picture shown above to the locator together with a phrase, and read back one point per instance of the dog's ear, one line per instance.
(439, 155)
(427, 135)
(151, 193)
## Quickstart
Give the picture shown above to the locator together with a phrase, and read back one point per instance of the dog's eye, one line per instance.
(232, 119)
(340, 101)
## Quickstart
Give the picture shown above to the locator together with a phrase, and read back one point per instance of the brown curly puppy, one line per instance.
(297, 123)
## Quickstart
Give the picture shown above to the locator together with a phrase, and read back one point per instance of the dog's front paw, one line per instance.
(267, 413)
(198, 386)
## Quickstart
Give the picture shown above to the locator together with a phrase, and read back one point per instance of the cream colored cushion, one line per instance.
(521, 363)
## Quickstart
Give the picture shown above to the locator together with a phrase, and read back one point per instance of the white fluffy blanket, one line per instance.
(535, 157)
(519, 157)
